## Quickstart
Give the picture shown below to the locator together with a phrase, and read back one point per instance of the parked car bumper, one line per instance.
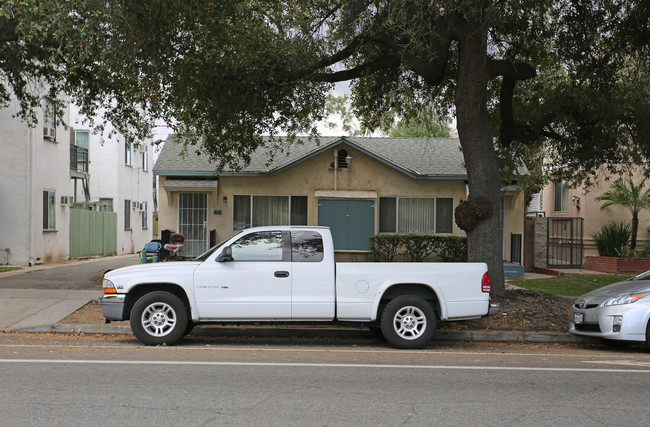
(626, 322)
(113, 306)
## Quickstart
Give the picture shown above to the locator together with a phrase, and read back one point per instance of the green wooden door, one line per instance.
(352, 222)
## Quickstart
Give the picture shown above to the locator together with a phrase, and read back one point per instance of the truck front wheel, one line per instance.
(159, 318)
(408, 321)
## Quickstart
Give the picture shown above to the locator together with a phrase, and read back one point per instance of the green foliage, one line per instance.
(630, 196)
(612, 239)
(424, 123)
(384, 247)
(416, 247)
(644, 251)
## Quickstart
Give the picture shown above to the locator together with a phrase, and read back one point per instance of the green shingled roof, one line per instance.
(417, 157)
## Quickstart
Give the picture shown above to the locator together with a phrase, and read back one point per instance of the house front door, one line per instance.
(352, 222)
(193, 222)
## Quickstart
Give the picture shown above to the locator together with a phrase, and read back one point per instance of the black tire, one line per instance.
(159, 318)
(646, 344)
(408, 321)
(188, 329)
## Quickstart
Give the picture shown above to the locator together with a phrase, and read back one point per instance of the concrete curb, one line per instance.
(323, 332)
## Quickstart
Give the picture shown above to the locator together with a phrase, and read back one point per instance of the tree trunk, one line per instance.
(484, 241)
(635, 230)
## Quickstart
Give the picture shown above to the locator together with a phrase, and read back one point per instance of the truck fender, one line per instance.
(136, 290)
(408, 289)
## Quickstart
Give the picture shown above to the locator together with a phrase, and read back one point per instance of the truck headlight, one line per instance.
(108, 287)
(624, 299)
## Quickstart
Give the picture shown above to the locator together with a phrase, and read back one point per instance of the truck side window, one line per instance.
(261, 246)
(306, 246)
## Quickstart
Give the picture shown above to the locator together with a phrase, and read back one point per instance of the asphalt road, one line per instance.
(80, 275)
(112, 380)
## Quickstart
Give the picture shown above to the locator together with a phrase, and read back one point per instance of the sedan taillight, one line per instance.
(485, 283)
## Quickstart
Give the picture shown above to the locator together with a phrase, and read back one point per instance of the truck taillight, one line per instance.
(485, 283)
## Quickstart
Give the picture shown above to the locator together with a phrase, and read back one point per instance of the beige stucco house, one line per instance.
(357, 186)
(561, 202)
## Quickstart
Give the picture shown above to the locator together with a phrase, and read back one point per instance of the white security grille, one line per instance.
(193, 222)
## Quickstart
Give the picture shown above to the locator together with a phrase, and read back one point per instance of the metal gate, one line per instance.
(92, 233)
(193, 222)
(564, 247)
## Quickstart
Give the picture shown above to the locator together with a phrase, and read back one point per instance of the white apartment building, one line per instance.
(69, 193)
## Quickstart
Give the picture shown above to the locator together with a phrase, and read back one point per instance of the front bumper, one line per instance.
(599, 322)
(113, 306)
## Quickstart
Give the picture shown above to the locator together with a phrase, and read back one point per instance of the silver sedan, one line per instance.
(620, 311)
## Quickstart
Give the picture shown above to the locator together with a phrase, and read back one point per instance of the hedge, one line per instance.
(385, 247)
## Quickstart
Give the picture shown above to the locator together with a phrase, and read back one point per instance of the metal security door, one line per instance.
(193, 222)
(565, 242)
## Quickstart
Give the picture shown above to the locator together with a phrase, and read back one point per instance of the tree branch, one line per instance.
(356, 72)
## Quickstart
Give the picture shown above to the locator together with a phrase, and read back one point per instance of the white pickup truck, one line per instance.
(288, 274)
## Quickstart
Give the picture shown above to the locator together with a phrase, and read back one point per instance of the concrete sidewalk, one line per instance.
(26, 309)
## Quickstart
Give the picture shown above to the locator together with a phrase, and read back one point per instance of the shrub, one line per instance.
(644, 251)
(384, 247)
(612, 239)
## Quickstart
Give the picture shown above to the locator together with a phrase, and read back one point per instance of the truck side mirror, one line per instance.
(225, 255)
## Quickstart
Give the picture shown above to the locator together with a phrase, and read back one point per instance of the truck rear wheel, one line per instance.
(408, 321)
(159, 318)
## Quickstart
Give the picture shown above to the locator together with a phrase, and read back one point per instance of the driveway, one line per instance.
(76, 275)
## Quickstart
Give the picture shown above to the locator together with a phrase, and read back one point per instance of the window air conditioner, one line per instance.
(48, 133)
(134, 205)
(64, 200)
(71, 200)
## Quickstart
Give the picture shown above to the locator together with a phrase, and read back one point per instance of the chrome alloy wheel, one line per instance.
(410, 322)
(158, 319)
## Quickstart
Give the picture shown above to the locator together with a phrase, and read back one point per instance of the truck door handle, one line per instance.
(281, 274)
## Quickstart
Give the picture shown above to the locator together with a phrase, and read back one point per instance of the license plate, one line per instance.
(578, 318)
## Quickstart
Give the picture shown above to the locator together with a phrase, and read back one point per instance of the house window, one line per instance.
(49, 121)
(49, 198)
(127, 152)
(561, 196)
(144, 219)
(416, 215)
(105, 205)
(258, 211)
(145, 160)
(127, 214)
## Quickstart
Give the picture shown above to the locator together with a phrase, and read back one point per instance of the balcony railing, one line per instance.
(78, 158)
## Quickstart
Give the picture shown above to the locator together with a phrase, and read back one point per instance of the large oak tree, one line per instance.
(569, 75)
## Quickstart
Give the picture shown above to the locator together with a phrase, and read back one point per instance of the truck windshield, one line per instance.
(205, 255)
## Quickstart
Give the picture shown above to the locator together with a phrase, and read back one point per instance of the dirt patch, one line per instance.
(89, 314)
(520, 311)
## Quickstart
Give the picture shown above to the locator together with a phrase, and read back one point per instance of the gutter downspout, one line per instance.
(30, 195)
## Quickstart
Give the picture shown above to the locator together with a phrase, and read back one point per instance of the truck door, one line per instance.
(313, 277)
(255, 285)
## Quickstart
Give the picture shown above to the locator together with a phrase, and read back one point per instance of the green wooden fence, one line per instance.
(92, 233)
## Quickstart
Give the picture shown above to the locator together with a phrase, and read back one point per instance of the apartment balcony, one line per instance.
(78, 159)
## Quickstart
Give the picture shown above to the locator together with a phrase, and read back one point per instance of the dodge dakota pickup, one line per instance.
(288, 274)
